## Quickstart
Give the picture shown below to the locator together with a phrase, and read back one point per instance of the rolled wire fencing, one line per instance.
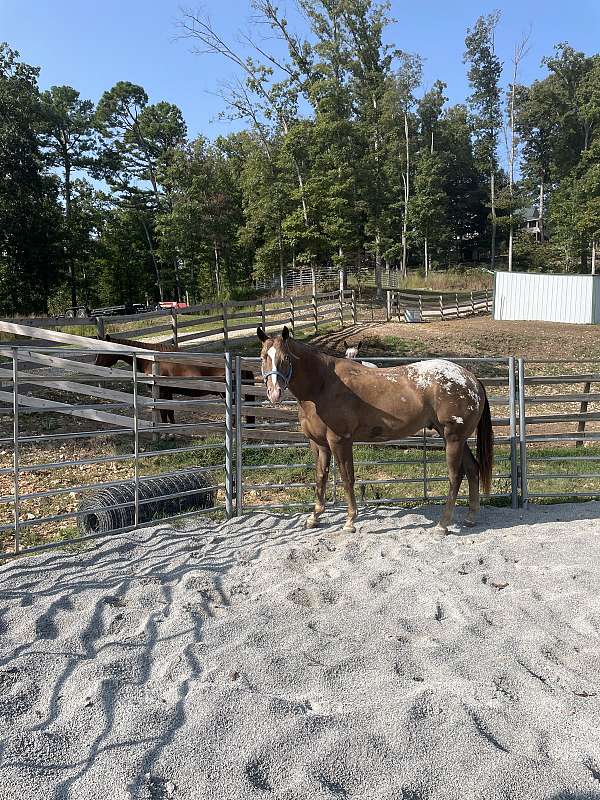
(73, 430)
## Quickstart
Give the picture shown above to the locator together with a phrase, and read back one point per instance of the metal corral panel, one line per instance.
(556, 298)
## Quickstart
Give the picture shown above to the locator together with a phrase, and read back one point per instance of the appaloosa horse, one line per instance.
(341, 402)
(354, 352)
(168, 368)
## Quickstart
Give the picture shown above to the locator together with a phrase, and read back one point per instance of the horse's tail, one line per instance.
(485, 446)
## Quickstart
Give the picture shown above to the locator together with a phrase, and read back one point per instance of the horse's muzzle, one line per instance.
(274, 393)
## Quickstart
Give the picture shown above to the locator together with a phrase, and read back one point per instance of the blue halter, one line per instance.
(286, 378)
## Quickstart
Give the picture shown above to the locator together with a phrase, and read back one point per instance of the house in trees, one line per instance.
(531, 223)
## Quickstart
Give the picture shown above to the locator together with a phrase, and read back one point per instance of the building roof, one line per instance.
(530, 213)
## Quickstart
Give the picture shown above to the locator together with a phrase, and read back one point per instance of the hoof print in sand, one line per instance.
(157, 788)
(257, 773)
(115, 602)
(334, 788)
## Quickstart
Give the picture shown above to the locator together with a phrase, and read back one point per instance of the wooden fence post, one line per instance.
(472, 305)
(315, 312)
(441, 307)
(583, 410)
(354, 315)
(292, 316)
(174, 328)
(341, 307)
(263, 313)
(420, 308)
(388, 306)
(100, 332)
(224, 317)
(457, 306)
(487, 301)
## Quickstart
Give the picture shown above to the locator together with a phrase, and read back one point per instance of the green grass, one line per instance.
(296, 465)
(557, 488)
(458, 279)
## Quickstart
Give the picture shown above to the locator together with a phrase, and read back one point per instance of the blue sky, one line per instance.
(91, 45)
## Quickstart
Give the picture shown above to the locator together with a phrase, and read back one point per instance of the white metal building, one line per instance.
(555, 298)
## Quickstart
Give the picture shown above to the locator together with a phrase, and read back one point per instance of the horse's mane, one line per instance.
(162, 347)
(312, 348)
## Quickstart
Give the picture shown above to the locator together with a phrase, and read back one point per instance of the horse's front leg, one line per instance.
(322, 460)
(342, 450)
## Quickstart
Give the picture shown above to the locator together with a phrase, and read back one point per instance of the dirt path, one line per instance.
(472, 336)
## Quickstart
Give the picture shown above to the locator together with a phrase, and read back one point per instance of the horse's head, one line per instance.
(276, 364)
(107, 358)
(351, 352)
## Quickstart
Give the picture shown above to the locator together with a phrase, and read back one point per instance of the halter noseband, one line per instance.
(285, 378)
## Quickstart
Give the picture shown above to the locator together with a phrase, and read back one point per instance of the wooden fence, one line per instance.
(198, 324)
(437, 305)
(194, 326)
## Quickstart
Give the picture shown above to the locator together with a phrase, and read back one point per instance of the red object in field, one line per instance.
(172, 304)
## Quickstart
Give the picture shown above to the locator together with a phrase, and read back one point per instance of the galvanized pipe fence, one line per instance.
(69, 426)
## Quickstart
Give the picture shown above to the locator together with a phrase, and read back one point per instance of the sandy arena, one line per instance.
(254, 659)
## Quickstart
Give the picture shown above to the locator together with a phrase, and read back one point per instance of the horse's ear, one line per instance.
(261, 334)
(285, 334)
(358, 346)
(346, 345)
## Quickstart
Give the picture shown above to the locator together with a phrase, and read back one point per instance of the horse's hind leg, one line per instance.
(322, 461)
(455, 447)
(472, 470)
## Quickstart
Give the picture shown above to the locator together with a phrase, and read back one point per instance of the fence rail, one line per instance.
(437, 305)
(69, 426)
(196, 325)
(192, 326)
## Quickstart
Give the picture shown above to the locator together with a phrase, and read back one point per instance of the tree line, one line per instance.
(342, 159)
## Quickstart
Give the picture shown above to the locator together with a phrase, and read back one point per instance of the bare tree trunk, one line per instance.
(406, 198)
(156, 269)
(541, 211)
(493, 202)
(511, 161)
(426, 259)
(520, 51)
(343, 276)
(217, 269)
(177, 279)
(377, 264)
(281, 267)
(72, 276)
(593, 256)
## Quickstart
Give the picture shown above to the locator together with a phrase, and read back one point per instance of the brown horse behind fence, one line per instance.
(168, 368)
(342, 401)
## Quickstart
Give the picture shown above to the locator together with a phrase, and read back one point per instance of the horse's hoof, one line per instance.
(312, 522)
(439, 528)
(469, 523)
(349, 527)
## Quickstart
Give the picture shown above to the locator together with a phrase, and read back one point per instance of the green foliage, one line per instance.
(341, 161)
(31, 227)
